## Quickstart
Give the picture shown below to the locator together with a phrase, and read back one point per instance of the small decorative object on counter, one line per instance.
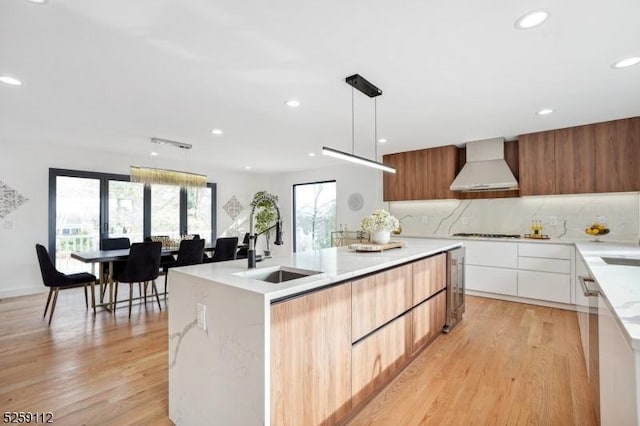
(379, 225)
(596, 229)
(536, 227)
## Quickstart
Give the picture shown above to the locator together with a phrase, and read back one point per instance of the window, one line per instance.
(314, 215)
(86, 207)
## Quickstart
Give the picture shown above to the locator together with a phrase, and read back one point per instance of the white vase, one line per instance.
(381, 237)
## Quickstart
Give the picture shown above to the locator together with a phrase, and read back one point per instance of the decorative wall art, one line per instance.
(10, 199)
(233, 207)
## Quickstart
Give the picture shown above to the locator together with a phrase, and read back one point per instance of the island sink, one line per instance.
(277, 274)
(625, 261)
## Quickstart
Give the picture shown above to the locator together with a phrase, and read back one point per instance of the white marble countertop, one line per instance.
(335, 265)
(619, 285)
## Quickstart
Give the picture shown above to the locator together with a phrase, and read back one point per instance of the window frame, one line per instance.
(104, 179)
(295, 243)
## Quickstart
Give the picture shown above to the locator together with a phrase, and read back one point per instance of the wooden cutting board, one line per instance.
(376, 247)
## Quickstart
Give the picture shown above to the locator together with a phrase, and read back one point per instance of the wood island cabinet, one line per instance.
(379, 356)
(311, 358)
(425, 174)
(333, 349)
(379, 298)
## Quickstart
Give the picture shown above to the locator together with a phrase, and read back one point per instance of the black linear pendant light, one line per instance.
(356, 81)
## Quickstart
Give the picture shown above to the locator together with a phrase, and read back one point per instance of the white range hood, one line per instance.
(485, 169)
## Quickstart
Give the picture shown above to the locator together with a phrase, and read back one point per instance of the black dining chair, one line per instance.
(225, 249)
(143, 265)
(243, 251)
(57, 281)
(191, 252)
(165, 259)
(118, 265)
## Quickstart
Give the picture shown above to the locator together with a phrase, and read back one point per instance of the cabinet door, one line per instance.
(492, 253)
(545, 286)
(492, 280)
(428, 320)
(440, 169)
(429, 277)
(537, 163)
(311, 358)
(409, 181)
(617, 155)
(379, 298)
(575, 160)
(378, 357)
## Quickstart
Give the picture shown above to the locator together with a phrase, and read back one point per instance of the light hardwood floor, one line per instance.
(506, 363)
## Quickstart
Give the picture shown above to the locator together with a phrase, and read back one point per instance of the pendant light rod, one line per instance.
(357, 159)
(356, 81)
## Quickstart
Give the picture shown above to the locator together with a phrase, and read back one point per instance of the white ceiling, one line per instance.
(110, 74)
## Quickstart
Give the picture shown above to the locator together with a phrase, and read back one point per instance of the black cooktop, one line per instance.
(480, 235)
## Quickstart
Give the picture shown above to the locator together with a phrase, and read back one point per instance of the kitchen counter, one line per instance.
(220, 327)
(619, 285)
(335, 264)
(552, 240)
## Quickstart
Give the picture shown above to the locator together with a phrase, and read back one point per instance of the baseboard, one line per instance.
(522, 300)
(25, 291)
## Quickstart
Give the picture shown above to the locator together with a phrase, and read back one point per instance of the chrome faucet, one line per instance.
(251, 253)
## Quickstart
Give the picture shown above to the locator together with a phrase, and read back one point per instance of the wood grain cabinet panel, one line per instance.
(379, 298)
(378, 357)
(575, 160)
(428, 320)
(429, 277)
(311, 358)
(537, 163)
(617, 155)
(424, 174)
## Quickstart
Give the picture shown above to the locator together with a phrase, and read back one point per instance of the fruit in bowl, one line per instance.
(597, 229)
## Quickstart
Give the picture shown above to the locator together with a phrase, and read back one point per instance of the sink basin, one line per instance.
(626, 261)
(277, 274)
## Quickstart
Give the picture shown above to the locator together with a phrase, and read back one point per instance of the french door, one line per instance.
(87, 207)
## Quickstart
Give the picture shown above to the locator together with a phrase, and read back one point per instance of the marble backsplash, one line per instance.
(564, 217)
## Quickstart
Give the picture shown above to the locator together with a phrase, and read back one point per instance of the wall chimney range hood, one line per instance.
(485, 169)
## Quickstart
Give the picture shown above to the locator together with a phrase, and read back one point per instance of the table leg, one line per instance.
(111, 301)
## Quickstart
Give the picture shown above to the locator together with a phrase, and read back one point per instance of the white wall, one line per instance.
(25, 168)
(349, 179)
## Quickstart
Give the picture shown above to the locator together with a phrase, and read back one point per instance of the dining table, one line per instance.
(102, 257)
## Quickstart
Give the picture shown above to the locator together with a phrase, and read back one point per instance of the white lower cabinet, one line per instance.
(492, 280)
(545, 286)
(529, 270)
(618, 375)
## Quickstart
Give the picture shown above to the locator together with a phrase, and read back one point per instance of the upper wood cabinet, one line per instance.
(574, 160)
(602, 157)
(537, 163)
(425, 174)
(617, 155)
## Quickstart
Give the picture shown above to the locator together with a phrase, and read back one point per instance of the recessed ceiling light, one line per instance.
(545, 111)
(312, 154)
(382, 140)
(293, 103)
(627, 62)
(10, 80)
(216, 132)
(247, 167)
(154, 154)
(532, 19)
(38, 1)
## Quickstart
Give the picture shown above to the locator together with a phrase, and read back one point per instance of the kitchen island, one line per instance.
(612, 345)
(236, 343)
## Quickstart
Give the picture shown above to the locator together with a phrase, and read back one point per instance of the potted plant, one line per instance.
(379, 225)
(266, 216)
